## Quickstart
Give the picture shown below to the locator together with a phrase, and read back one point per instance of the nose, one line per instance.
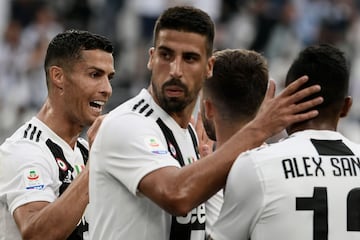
(106, 88)
(176, 68)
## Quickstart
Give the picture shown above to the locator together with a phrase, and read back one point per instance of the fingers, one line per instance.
(300, 107)
(205, 150)
(303, 116)
(205, 143)
(270, 92)
(199, 128)
(289, 107)
(294, 86)
(192, 120)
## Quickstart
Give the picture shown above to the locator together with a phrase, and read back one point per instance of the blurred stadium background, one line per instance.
(276, 28)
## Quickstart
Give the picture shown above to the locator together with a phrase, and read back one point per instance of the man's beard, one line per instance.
(173, 104)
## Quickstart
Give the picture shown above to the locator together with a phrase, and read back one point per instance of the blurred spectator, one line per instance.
(35, 39)
(77, 14)
(277, 28)
(268, 14)
(14, 93)
(24, 11)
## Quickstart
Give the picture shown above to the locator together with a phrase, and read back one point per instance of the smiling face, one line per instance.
(179, 65)
(86, 86)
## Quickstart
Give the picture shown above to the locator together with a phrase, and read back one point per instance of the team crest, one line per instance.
(62, 165)
(33, 179)
(154, 145)
(172, 150)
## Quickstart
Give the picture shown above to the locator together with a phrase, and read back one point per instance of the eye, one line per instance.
(191, 57)
(95, 74)
(111, 77)
(166, 55)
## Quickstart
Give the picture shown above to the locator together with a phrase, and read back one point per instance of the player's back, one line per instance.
(311, 188)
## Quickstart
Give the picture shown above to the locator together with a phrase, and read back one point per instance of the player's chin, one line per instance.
(91, 118)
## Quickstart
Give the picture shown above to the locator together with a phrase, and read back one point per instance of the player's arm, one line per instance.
(56, 220)
(180, 190)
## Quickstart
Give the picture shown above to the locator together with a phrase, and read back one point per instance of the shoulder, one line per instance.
(135, 115)
(28, 143)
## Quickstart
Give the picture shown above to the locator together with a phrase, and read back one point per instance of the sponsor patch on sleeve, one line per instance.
(33, 179)
(155, 146)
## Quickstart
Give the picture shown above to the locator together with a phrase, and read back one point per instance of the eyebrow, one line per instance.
(101, 70)
(172, 51)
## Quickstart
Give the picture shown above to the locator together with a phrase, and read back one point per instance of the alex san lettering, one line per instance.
(321, 166)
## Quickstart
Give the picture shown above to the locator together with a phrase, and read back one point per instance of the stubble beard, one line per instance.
(172, 104)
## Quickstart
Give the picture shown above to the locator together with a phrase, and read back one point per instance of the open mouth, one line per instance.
(97, 105)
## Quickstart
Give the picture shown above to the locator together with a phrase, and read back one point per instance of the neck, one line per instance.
(56, 120)
(313, 124)
(225, 130)
(183, 117)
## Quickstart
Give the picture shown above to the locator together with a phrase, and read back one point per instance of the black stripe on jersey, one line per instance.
(138, 104)
(38, 136)
(171, 142)
(84, 151)
(149, 112)
(193, 138)
(143, 108)
(27, 130)
(331, 147)
(65, 176)
(181, 231)
(33, 132)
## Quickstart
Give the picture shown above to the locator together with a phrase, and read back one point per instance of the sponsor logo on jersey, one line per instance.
(155, 146)
(33, 179)
(197, 216)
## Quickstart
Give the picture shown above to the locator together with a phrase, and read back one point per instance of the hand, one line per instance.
(277, 113)
(205, 143)
(92, 131)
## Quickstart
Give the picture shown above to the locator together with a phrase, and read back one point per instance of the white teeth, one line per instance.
(99, 103)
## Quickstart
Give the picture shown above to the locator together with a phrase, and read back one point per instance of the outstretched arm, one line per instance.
(180, 190)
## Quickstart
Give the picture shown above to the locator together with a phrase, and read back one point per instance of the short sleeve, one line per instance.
(243, 199)
(127, 148)
(27, 174)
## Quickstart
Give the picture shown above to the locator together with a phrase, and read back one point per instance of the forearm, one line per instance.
(205, 177)
(58, 219)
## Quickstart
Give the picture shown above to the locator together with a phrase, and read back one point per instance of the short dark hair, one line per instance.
(324, 65)
(187, 19)
(239, 82)
(66, 47)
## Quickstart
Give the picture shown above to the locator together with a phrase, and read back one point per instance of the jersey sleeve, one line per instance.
(26, 175)
(127, 148)
(243, 200)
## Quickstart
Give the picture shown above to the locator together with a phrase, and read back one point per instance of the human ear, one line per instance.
(210, 66)
(56, 76)
(346, 107)
(151, 53)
